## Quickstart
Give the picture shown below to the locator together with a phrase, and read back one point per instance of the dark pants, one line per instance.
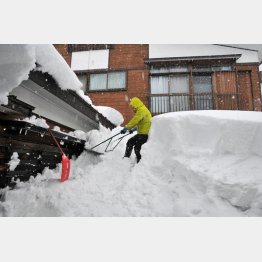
(136, 141)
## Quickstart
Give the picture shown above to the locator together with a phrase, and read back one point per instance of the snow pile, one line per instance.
(194, 164)
(13, 163)
(16, 62)
(111, 114)
(95, 137)
(52, 62)
(78, 134)
(217, 152)
(80, 92)
(36, 121)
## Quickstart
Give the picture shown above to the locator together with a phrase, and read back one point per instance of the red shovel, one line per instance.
(65, 161)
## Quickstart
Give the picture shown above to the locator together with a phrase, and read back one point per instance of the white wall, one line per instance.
(177, 50)
(88, 60)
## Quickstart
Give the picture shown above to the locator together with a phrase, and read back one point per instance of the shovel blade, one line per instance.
(65, 168)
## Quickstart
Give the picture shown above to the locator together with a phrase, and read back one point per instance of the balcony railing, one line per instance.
(163, 103)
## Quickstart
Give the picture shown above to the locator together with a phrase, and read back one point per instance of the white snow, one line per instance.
(36, 121)
(111, 114)
(52, 62)
(201, 163)
(78, 134)
(16, 62)
(13, 163)
(81, 93)
(185, 50)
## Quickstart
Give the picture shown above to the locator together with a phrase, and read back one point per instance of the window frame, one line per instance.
(88, 74)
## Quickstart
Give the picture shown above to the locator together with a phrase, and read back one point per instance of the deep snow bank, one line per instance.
(221, 149)
(216, 132)
(194, 164)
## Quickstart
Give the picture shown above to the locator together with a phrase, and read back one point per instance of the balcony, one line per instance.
(164, 103)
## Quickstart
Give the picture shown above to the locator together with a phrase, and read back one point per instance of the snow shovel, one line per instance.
(65, 160)
(110, 140)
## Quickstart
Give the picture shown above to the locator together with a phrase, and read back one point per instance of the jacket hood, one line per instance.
(135, 102)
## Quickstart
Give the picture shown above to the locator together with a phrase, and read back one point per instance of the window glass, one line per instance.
(116, 80)
(98, 81)
(203, 92)
(176, 69)
(202, 84)
(221, 68)
(159, 84)
(179, 84)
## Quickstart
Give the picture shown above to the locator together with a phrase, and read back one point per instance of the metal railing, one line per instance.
(163, 103)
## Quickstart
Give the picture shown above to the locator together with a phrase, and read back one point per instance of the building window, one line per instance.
(103, 81)
(202, 85)
(97, 82)
(116, 80)
(169, 93)
(159, 85)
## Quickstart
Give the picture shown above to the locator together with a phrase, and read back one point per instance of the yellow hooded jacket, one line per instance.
(142, 117)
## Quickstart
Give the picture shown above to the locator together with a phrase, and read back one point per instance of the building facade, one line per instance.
(167, 78)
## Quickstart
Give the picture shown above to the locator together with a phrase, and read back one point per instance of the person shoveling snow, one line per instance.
(141, 122)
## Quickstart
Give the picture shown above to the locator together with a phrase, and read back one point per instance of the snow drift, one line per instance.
(194, 164)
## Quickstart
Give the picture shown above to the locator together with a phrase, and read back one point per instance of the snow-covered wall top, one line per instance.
(176, 50)
(16, 62)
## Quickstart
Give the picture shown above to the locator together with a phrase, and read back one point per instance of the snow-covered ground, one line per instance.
(201, 163)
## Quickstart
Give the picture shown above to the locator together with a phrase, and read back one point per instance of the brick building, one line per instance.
(167, 78)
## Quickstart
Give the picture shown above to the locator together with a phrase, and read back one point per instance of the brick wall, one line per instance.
(63, 50)
(129, 57)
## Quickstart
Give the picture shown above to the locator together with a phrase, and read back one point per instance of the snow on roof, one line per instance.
(52, 62)
(187, 50)
(16, 62)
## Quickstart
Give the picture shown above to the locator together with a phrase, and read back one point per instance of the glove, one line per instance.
(124, 130)
(132, 130)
